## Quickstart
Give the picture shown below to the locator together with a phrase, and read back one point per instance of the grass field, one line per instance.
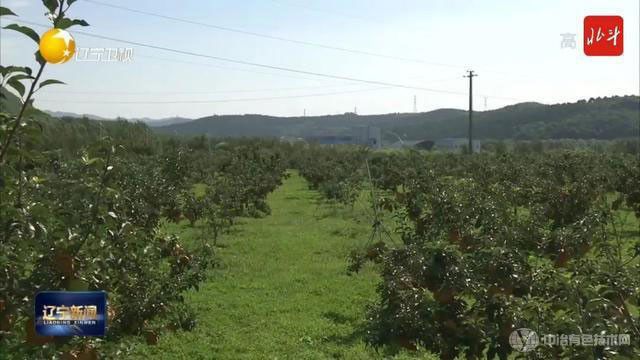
(281, 290)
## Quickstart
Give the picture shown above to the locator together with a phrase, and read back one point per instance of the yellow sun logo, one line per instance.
(57, 46)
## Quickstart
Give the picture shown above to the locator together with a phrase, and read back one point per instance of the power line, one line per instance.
(230, 68)
(272, 67)
(213, 101)
(448, 79)
(271, 37)
(90, 91)
(294, 41)
(243, 62)
(57, 91)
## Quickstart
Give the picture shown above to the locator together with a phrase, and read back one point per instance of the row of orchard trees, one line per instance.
(93, 221)
(492, 243)
(82, 205)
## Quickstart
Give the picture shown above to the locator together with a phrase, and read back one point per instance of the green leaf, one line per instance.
(52, 5)
(25, 30)
(21, 77)
(4, 11)
(70, 2)
(11, 69)
(17, 85)
(39, 58)
(67, 23)
(50, 82)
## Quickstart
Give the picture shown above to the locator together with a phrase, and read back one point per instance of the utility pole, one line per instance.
(415, 104)
(470, 75)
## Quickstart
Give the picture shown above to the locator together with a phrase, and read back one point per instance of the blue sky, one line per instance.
(514, 46)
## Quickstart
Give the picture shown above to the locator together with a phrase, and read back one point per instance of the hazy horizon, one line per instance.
(318, 115)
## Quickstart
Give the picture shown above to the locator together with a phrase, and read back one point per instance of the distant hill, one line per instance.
(271, 126)
(148, 121)
(599, 118)
(164, 122)
(61, 114)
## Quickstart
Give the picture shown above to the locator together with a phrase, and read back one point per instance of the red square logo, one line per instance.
(603, 35)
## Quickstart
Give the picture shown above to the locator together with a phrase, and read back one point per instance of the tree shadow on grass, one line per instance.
(356, 335)
(235, 230)
(337, 318)
(350, 339)
(326, 209)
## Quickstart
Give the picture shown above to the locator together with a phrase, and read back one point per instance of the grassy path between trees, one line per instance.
(281, 290)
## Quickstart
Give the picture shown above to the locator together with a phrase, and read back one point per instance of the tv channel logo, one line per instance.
(71, 313)
(603, 35)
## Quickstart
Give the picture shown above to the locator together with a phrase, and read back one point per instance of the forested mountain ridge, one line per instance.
(596, 118)
(68, 134)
